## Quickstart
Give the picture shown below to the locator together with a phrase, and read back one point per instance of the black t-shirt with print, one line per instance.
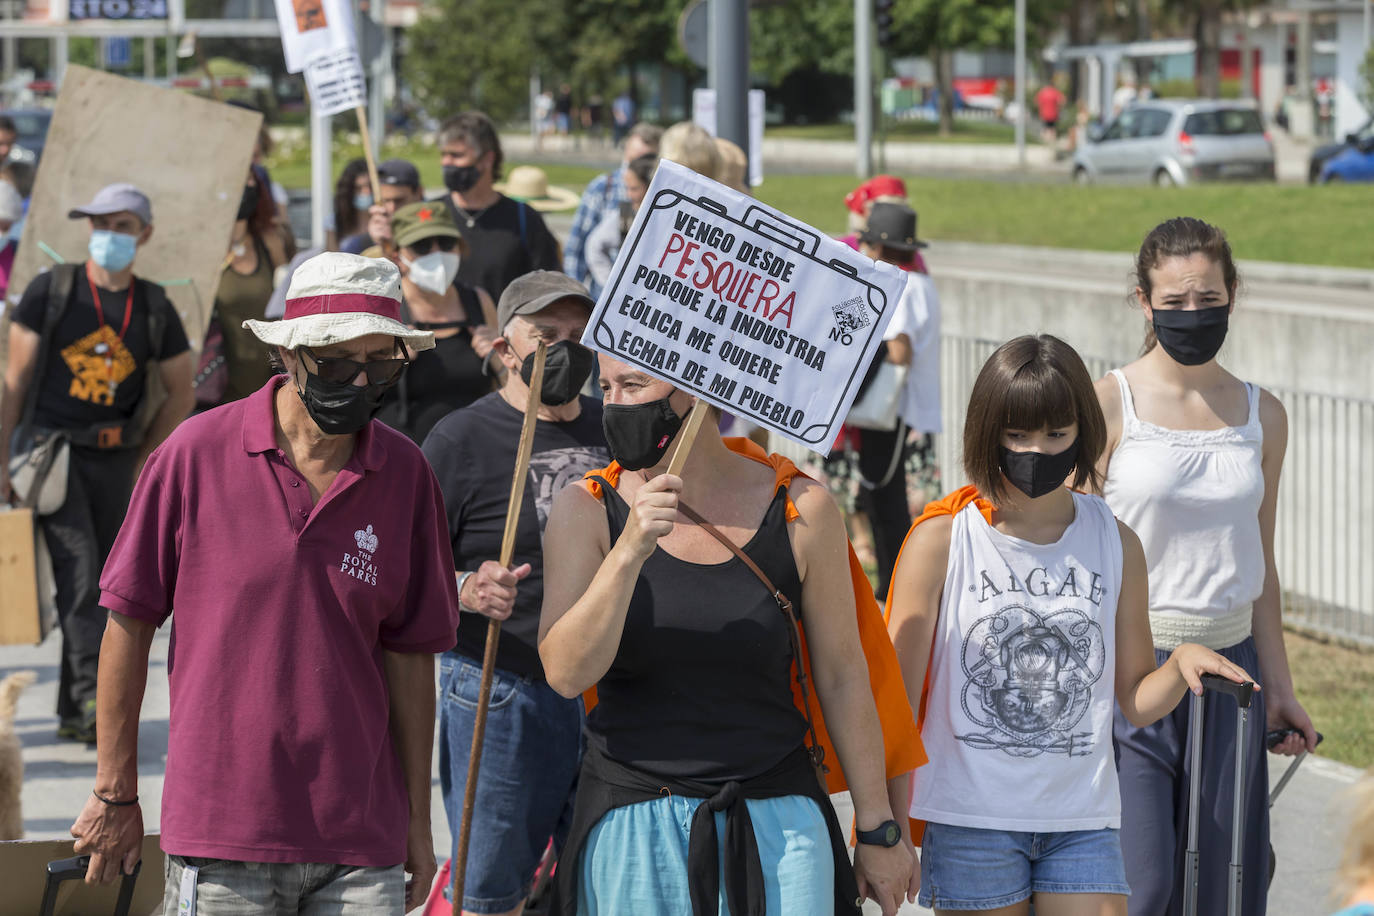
(87, 354)
(498, 251)
(472, 451)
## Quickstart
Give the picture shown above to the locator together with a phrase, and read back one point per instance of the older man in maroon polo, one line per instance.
(302, 552)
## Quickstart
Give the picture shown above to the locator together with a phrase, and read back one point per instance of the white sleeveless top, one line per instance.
(1018, 723)
(1193, 497)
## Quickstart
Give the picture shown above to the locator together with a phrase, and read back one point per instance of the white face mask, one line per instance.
(433, 272)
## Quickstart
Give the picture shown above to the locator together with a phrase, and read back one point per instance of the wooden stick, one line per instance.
(687, 436)
(367, 154)
(459, 862)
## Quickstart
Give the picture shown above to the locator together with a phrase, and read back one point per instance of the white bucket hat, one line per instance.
(335, 297)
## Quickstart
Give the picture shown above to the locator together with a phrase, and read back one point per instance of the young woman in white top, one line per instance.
(1192, 465)
(1021, 605)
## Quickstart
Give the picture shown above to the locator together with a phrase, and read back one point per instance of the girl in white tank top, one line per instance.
(1021, 605)
(1192, 465)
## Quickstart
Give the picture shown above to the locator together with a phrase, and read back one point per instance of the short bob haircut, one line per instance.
(1031, 383)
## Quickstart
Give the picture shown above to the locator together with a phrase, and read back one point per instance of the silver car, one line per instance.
(1173, 142)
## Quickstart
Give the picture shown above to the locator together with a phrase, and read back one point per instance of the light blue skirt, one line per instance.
(635, 858)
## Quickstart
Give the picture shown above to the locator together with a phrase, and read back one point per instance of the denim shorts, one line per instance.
(229, 888)
(530, 757)
(971, 868)
(635, 858)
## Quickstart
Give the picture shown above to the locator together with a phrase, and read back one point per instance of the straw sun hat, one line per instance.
(529, 184)
(336, 297)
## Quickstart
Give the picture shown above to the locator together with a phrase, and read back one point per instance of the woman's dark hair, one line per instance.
(345, 214)
(1182, 237)
(1031, 383)
(643, 167)
(265, 215)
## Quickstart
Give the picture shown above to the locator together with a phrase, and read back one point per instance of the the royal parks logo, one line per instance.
(361, 565)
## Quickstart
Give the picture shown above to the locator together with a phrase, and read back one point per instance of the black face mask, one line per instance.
(1036, 474)
(567, 365)
(1192, 337)
(340, 408)
(248, 203)
(460, 178)
(639, 434)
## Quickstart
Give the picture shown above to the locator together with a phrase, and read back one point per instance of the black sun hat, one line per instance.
(892, 225)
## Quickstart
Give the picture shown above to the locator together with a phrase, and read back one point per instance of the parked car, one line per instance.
(1323, 154)
(33, 132)
(1178, 141)
(1352, 163)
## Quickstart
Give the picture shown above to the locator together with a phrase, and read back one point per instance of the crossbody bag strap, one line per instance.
(815, 751)
(61, 280)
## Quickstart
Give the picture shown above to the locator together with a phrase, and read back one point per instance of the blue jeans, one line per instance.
(972, 868)
(531, 753)
(229, 888)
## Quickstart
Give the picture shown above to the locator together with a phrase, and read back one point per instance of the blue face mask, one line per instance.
(361, 202)
(112, 250)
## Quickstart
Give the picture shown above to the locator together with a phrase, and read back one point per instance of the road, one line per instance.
(1308, 823)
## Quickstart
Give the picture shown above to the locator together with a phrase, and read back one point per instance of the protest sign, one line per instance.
(336, 83)
(311, 28)
(704, 116)
(189, 155)
(744, 307)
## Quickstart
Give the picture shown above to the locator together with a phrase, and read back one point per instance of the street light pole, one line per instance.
(729, 25)
(1021, 83)
(863, 87)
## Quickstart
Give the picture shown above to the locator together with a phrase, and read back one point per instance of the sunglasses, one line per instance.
(423, 247)
(343, 370)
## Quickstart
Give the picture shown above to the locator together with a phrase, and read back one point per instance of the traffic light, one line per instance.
(882, 21)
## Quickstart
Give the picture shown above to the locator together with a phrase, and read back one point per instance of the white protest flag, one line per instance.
(745, 307)
(336, 83)
(311, 28)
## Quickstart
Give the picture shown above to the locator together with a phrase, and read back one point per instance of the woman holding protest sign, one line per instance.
(1020, 605)
(1192, 463)
(690, 640)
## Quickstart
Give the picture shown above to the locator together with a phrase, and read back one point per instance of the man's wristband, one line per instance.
(461, 580)
(115, 804)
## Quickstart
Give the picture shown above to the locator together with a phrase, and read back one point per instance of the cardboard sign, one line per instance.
(24, 863)
(313, 28)
(336, 83)
(745, 307)
(189, 155)
(20, 621)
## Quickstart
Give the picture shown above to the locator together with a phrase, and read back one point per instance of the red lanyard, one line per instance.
(100, 310)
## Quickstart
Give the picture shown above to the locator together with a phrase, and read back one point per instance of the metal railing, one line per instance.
(1324, 537)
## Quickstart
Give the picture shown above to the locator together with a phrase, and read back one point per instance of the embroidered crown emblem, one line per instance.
(366, 539)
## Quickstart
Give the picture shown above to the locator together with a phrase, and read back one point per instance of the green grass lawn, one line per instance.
(911, 132)
(1298, 224)
(1336, 687)
(1266, 222)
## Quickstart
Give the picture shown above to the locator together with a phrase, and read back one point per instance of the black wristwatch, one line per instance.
(885, 834)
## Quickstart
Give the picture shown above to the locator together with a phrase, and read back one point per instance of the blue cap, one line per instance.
(116, 198)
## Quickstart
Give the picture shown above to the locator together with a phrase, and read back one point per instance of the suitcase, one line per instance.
(75, 869)
(1243, 694)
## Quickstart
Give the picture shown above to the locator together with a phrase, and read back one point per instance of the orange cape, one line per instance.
(950, 505)
(903, 751)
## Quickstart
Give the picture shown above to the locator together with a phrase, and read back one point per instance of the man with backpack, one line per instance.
(77, 419)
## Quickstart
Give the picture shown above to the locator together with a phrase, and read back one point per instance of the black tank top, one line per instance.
(701, 683)
(438, 381)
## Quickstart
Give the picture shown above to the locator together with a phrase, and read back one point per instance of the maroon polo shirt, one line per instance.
(279, 749)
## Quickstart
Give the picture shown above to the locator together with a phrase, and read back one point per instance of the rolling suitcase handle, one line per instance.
(1243, 693)
(74, 869)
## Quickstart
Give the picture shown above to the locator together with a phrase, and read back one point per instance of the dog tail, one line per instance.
(10, 688)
